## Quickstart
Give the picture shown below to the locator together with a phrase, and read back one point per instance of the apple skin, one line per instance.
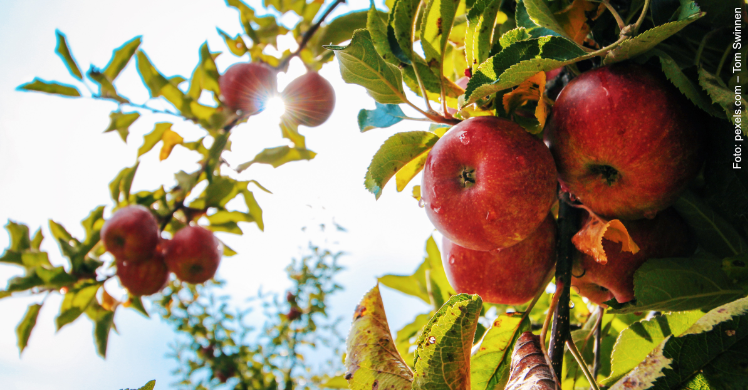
(143, 277)
(662, 237)
(510, 276)
(625, 141)
(193, 254)
(131, 234)
(309, 99)
(246, 87)
(488, 184)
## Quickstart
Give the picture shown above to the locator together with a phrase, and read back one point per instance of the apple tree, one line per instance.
(599, 136)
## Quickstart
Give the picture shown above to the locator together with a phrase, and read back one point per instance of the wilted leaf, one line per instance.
(63, 51)
(372, 360)
(589, 239)
(530, 90)
(383, 116)
(52, 87)
(490, 365)
(120, 122)
(278, 156)
(529, 370)
(573, 20)
(24, 328)
(394, 154)
(170, 139)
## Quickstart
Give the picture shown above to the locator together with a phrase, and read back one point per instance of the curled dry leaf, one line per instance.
(573, 19)
(529, 370)
(531, 89)
(589, 239)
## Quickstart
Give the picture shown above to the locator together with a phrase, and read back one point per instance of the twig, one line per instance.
(544, 333)
(580, 360)
(309, 34)
(598, 341)
(621, 24)
(642, 16)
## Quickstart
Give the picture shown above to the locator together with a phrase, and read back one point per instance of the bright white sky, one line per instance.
(56, 163)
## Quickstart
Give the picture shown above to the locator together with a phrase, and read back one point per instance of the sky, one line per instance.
(55, 163)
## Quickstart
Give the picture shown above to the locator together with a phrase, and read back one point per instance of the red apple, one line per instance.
(488, 184)
(143, 277)
(246, 87)
(510, 276)
(193, 254)
(625, 141)
(664, 236)
(309, 99)
(131, 234)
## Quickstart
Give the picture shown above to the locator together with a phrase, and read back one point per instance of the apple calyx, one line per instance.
(608, 174)
(467, 177)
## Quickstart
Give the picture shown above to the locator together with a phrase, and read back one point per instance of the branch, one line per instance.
(641, 17)
(309, 34)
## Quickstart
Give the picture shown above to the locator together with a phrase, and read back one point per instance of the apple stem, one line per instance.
(642, 16)
(544, 333)
(621, 24)
(598, 341)
(580, 360)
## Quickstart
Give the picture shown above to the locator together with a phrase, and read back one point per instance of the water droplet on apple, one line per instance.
(571, 305)
(435, 209)
(451, 259)
(464, 138)
(421, 203)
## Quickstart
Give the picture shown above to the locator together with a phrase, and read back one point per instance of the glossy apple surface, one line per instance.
(664, 236)
(193, 254)
(510, 276)
(131, 234)
(309, 99)
(143, 277)
(488, 184)
(625, 141)
(247, 87)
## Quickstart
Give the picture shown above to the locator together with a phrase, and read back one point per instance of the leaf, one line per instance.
(122, 183)
(120, 57)
(443, 353)
(340, 29)
(531, 90)
(589, 239)
(151, 139)
(402, 20)
(410, 170)
(205, 75)
(541, 15)
(120, 122)
(24, 328)
(383, 116)
(63, 51)
(679, 285)
(290, 131)
(106, 88)
(478, 38)
(416, 192)
(713, 233)
(490, 365)
(372, 360)
(148, 386)
(676, 359)
(158, 85)
(360, 64)
(170, 139)
(514, 35)
(634, 343)
(51, 87)
(336, 382)
(76, 301)
(573, 20)
(436, 25)
(235, 44)
(529, 369)
(724, 97)
(688, 88)
(136, 303)
(410, 332)
(376, 25)
(648, 39)
(278, 156)
(393, 155)
(254, 208)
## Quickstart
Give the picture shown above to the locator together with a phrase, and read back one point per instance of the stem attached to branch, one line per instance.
(309, 34)
(580, 360)
(613, 11)
(641, 17)
(598, 341)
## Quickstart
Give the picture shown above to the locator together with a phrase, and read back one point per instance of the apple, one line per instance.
(246, 87)
(193, 254)
(131, 234)
(488, 184)
(294, 313)
(510, 276)
(664, 236)
(625, 141)
(309, 99)
(143, 277)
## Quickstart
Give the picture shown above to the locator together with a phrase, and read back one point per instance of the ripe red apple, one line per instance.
(664, 236)
(247, 87)
(625, 141)
(193, 254)
(488, 184)
(131, 234)
(143, 277)
(510, 276)
(309, 99)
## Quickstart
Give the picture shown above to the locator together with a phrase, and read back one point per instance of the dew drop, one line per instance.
(464, 138)
(436, 209)
(451, 259)
(571, 305)
(421, 203)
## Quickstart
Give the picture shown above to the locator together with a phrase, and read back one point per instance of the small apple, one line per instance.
(143, 277)
(131, 234)
(246, 87)
(625, 141)
(309, 99)
(664, 236)
(294, 313)
(488, 184)
(193, 254)
(510, 276)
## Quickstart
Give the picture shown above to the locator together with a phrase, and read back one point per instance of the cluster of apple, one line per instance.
(144, 259)
(621, 140)
(308, 99)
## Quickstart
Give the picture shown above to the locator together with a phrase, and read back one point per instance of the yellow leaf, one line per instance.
(417, 192)
(589, 239)
(107, 301)
(169, 139)
(407, 172)
(574, 20)
(531, 90)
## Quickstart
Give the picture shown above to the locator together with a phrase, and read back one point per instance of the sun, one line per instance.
(275, 107)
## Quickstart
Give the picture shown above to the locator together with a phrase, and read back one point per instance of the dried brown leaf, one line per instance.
(589, 239)
(529, 370)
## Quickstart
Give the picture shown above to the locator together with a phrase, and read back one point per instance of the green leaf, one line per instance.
(290, 131)
(360, 64)
(372, 360)
(76, 302)
(478, 39)
(634, 344)
(383, 116)
(136, 304)
(235, 44)
(713, 233)
(340, 29)
(122, 183)
(106, 88)
(151, 139)
(103, 322)
(254, 208)
(120, 57)
(205, 75)
(676, 359)
(394, 154)
(402, 20)
(687, 87)
(410, 170)
(24, 328)
(410, 332)
(158, 85)
(648, 39)
(51, 87)
(376, 25)
(278, 156)
(19, 236)
(413, 285)
(489, 366)
(247, 15)
(336, 382)
(514, 35)
(680, 285)
(55, 277)
(149, 386)
(443, 353)
(724, 97)
(436, 26)
(23, 283)
(120, 122)
(541, 15)
(63, 51)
